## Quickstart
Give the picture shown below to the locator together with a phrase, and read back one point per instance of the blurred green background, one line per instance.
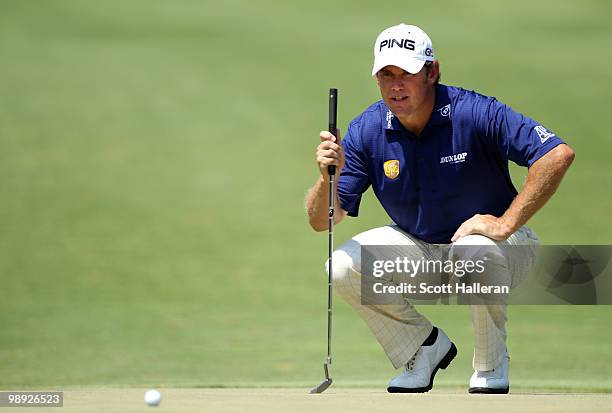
(154, 157)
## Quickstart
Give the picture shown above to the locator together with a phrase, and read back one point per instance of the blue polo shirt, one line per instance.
(457, 167)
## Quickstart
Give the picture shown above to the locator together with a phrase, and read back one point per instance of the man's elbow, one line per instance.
(320, 226)
(317, 226)
(566, 155)
(558, 159)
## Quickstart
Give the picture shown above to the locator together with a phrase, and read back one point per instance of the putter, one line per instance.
(331, 170)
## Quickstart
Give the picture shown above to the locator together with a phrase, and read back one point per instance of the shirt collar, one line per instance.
(441, 113)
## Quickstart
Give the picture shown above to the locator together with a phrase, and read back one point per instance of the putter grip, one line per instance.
(333, 114)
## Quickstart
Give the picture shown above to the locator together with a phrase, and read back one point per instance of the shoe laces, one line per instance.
(410, 364)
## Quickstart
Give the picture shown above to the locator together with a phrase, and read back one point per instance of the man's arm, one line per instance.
(329, 152)
(317, 205)
(543, 179)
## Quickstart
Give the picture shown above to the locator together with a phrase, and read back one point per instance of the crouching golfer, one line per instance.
(436, 157)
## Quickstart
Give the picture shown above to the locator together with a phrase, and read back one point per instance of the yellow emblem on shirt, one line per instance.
(392, 168)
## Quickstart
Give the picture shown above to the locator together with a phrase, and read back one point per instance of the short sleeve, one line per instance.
(354, 179)
(517, 137)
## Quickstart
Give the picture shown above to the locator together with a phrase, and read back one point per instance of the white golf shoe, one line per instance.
(493, 381)
(419, 373)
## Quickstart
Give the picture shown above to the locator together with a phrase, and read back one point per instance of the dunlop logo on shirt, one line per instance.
(392, 168)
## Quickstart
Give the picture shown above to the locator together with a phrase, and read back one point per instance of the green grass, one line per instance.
(154, 159)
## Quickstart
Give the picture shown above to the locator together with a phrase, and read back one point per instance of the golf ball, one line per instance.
(152, 397)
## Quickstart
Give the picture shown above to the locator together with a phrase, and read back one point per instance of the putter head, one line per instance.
(322, 386)
(325, 383)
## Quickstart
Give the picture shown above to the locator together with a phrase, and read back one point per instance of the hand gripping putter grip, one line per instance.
(331, 170)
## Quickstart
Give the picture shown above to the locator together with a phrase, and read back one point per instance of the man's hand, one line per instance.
(329, 152)
(487, 225)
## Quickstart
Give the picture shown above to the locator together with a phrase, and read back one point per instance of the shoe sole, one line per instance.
(487, 390)
(443, 364)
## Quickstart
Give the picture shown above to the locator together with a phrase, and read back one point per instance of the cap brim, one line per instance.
(409, 65)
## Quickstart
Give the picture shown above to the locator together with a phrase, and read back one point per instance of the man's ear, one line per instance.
(434, 72)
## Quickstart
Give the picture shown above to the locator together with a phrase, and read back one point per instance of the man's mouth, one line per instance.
(399, 98)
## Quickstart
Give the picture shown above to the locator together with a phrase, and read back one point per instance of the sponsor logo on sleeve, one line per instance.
(392, 168)
(543, 133)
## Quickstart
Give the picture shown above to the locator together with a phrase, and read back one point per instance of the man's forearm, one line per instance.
(543, 179)
(317, 204)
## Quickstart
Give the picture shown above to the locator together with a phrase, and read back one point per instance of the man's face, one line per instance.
(404, 93)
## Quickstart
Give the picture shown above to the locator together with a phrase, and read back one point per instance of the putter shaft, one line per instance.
(331, 169)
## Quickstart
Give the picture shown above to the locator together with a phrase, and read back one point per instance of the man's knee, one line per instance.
(475, 247)
(486, 254)
(346, 265)
(474, 239)
(347, 258)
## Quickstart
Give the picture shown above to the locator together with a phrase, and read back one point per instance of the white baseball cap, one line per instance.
(405, 46)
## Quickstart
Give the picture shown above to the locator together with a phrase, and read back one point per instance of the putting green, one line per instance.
(333, 400)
